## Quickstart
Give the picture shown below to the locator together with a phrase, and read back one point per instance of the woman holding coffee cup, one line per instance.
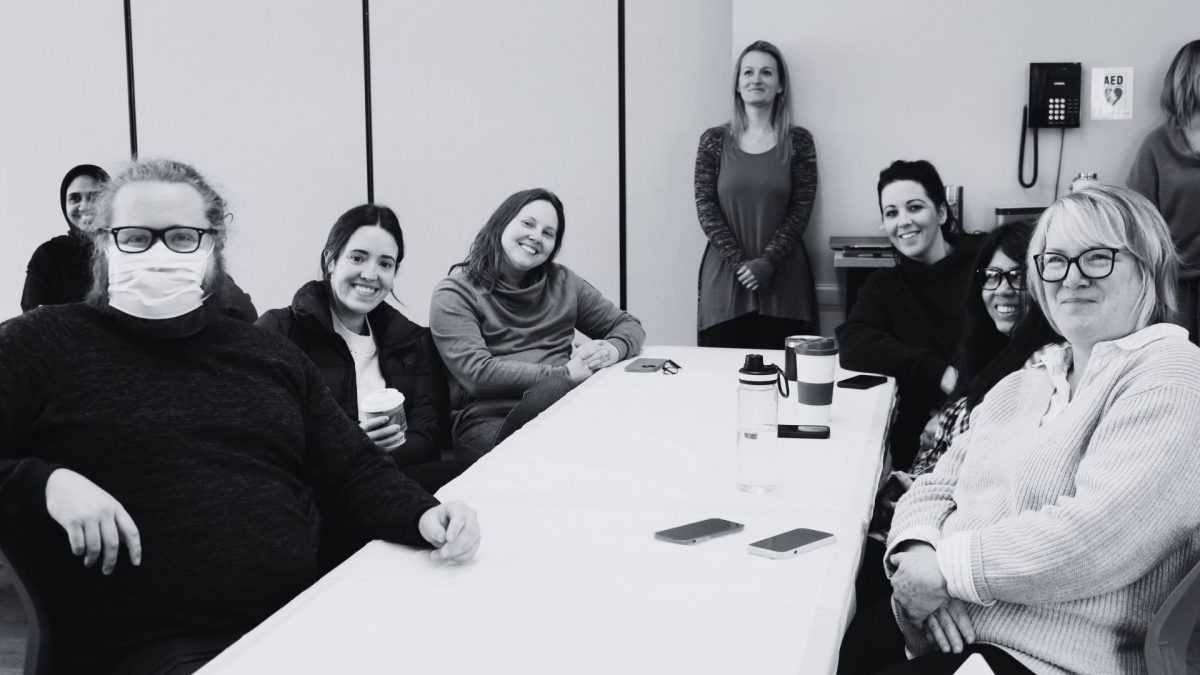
(505, 319)
(907, 320)
(381, 367)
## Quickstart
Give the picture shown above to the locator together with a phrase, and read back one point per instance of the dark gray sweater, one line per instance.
(214, 435)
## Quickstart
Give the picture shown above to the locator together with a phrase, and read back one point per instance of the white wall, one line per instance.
(267, 102)
(62, 87)
(677, 74)
(474, 101)
(945, 80)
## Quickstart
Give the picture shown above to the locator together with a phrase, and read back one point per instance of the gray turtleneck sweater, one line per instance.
(496, 344)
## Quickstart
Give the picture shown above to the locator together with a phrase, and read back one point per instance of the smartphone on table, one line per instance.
(862, 382)
(703, 530)
(791, 543)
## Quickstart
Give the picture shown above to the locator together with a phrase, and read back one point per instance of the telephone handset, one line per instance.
(1054, 98)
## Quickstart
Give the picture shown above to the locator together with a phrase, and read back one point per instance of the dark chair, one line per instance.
(15, 556)
(1171, 629)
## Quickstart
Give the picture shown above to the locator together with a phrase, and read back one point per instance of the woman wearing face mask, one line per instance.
(504, 320)
(907, 320)
(1167, 172)
(756, 178)
(361, 344)
(59, 272)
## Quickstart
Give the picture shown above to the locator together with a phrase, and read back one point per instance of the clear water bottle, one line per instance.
(758, 417)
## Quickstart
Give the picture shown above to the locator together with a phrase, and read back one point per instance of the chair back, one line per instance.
(1171, 628)
(15, 556)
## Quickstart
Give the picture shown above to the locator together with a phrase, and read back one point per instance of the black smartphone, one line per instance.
(802, 431)
(703, 530)
(862, 381)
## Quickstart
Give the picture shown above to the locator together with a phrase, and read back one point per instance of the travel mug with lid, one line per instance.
(816, 365)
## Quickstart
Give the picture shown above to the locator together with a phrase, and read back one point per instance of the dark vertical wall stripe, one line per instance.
(133, 150)
(621, 146)
(366, 5)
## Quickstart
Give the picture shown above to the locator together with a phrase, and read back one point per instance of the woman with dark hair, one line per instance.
(58, 272)
(755, 181)
(1167, 172)
(504, 320)
(360, 343)
(907, 321)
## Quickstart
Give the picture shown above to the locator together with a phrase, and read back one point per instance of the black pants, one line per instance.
(874, 645)
(754, 331)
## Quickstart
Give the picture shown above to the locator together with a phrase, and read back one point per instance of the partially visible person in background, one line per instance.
(504, 322)
(907, 321)
(1167, 172)
(755, 182)
(60, 269)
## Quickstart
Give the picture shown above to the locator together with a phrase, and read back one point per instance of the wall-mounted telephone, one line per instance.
(1054, 98)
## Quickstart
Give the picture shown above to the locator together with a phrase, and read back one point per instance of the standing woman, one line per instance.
(756, 178)
(505, 319)
(1167, 172)
(60, 269)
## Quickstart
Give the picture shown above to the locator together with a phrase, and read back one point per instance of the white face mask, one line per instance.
(157, 283)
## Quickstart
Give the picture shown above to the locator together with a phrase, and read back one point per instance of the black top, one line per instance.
(212, 434)
(907, 323)
(407, 359)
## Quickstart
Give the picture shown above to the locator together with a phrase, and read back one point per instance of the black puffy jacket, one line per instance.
(407, 358)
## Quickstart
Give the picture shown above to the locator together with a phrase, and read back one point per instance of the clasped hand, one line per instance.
(920, 589)
(756, 274)
(94, 520)
(453, 529)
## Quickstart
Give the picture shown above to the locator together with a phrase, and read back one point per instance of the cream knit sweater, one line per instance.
(1065, 533)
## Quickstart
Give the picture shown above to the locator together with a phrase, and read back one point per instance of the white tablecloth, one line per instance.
(570, 578)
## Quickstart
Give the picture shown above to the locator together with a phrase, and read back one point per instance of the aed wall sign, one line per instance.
(1112, 93)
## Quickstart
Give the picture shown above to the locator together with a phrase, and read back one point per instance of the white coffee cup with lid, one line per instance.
(388, 403)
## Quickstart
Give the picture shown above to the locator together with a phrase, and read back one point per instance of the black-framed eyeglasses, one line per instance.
(990, 277)
(1094, 263)
(670, 367)
(178, 238)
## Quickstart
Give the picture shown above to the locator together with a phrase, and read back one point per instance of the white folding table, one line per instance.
(570, 579)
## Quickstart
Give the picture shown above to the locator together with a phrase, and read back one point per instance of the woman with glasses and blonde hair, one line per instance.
(755, 180)
(1167, 172)
(1051, 531)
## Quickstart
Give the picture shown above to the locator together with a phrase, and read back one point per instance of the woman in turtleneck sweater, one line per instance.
(504, 320)
(908, 319)
(59, 271)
